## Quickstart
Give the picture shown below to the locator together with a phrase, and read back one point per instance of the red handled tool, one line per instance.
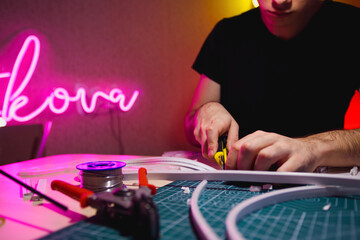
(80, 194)
(143, 181)
(133, 212)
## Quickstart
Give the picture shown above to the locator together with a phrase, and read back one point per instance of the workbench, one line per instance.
(23, 220)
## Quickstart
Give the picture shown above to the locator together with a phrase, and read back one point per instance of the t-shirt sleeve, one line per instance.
(209, 59)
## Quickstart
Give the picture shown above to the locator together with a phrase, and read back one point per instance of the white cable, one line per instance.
(202, 228)
(182, 162)
(251, 176)
(59, 168)
(266, 199)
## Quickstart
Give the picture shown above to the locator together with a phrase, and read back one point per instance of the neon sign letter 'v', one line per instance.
(14, 100)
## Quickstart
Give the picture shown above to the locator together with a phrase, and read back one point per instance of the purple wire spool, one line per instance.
(101, 176)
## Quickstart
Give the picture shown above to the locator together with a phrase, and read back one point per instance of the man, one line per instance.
(277, 81)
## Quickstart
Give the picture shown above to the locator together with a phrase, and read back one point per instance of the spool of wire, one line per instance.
(101, 176)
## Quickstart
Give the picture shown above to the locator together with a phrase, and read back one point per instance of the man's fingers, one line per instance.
(291, 165)
(233, 134)
(269, 156)
(212, 141)
(204, 145)
(297, 163)
(204, 151)
(243, 153)
(231, 160)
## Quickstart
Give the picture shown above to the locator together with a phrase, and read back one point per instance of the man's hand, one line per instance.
(211, 121)
(261, 150)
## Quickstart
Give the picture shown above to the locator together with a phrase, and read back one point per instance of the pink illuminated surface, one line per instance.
(14, 99)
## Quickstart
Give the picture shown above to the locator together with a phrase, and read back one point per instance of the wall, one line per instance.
(355, 3)
(145, 45)
(99, 45)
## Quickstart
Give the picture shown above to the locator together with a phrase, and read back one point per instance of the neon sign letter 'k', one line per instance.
(14, 100)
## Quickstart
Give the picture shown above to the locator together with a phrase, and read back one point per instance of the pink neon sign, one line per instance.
(14, 99)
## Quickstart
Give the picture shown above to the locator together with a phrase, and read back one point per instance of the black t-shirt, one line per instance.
(297, 87)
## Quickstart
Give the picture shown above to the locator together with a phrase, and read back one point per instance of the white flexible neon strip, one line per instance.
(251, 176)
(182, 162)
(202, 228)
(266, 199)
(174, 161)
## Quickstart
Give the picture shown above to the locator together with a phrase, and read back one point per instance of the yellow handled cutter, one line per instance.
(221, 154)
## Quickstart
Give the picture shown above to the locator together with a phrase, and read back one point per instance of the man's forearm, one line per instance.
(339, 148)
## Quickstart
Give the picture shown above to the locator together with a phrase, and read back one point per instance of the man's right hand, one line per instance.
(211, 121)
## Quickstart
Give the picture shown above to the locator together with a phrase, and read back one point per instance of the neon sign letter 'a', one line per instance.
(15, 100)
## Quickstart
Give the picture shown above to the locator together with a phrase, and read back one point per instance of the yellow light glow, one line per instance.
(229, 8)
(255, 3)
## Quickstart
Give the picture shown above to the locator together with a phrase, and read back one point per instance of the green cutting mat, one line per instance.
(300, 219)
(305, 219)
